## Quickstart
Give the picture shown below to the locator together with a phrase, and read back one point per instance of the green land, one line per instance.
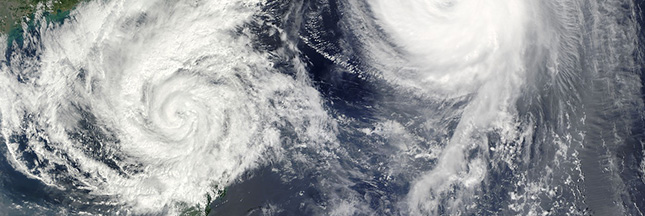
(14, 12)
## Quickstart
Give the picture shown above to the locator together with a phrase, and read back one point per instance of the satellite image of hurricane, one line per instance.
(322, 107)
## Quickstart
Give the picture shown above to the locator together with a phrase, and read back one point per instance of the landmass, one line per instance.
(14, 12)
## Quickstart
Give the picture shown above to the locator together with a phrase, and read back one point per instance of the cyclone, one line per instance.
(499, 99)
(477, 44)
(111, 107)
(326, 107)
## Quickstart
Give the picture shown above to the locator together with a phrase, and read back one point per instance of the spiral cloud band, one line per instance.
(325, 107)
(161, 120)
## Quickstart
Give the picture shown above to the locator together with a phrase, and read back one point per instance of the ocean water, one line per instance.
(326, 107)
